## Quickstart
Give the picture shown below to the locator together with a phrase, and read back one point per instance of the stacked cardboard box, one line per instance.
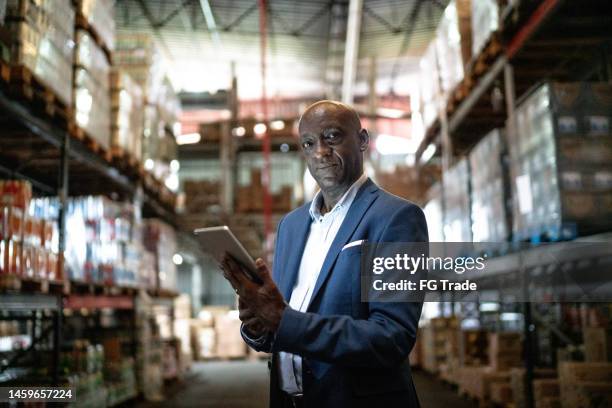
(585, 384)
(182, 330)
(518, 384)
(229, 341)
(489, 189)
(476, 381)
(98, 16)
(92, 88)
(127, 114)
(136, 54)
(40, 36)
(250, 198)
(203, 334)
(473, 347)
(201, 194)
(505, 351)
(456, 193)
(434, 338)
(597, 344)
(561, 162)
(546, 393)
(149, 357)
(501, 393)
(408, 183)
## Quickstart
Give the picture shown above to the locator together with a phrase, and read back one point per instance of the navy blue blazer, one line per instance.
(354, 353)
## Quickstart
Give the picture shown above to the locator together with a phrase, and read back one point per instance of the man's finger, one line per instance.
(237, 271)
(229, 276)
(245, 314)
(262, 271)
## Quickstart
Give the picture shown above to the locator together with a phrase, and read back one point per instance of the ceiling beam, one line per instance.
(409, 22)
(351, 50)
(238, 20)
(172, 14)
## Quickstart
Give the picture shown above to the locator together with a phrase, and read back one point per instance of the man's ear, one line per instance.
(364, 140)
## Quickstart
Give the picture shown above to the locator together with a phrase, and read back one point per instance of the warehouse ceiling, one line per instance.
(199, 40)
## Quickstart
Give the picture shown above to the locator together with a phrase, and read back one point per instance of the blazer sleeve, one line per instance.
(264, 342)
(384, 339)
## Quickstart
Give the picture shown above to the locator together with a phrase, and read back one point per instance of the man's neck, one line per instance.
(332, 196)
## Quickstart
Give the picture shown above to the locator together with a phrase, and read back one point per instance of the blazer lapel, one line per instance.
(300, 232)
(363, 200)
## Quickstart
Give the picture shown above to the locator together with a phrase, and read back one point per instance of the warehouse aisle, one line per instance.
(228, 384)
(244, 384)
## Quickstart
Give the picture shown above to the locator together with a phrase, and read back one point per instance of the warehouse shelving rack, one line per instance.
(39, 147)
(549, 39)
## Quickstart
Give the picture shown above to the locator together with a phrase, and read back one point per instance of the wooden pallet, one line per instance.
(126, 161)
(476, 69)
(23, 84)
(91, 143)
(90, 288)
(82, 23)
(32, 285)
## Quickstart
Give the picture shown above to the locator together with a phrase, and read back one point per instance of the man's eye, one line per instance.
(332, 136)
(306, 145)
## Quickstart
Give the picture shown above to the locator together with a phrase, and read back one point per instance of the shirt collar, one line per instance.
(345, 200)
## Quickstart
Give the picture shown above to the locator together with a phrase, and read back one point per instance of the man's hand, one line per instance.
(263, 304)
(251, 322)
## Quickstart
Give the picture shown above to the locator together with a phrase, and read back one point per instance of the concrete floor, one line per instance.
(244, 384)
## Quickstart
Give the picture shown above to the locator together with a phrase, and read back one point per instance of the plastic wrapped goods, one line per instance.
(451, 40)
(102, 244)
(433, 213)
(92, 107)
(127, 114)
(490, 190)
(561, 162)
(457, 224)
(485, 21)
(40, 35)
(429, 85)
(137, 55)
(160, 238)
(99, 15)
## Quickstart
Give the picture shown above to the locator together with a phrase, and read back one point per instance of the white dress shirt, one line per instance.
(323, 230)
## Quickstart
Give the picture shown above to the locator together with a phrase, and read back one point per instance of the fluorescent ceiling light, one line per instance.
(239, 131)
(188, 138)
(390, 113)
(260, 129)
(277, 125)
(387, 144)
(177, 259)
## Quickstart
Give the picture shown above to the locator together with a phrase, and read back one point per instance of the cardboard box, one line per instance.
(501, 393)
(597, 344)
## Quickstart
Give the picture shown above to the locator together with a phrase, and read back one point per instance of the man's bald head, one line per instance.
(333, 143)
(329, 108)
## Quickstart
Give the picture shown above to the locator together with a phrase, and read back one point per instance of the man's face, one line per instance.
(333, 145)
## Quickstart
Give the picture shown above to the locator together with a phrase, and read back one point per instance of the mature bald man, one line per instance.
(329, 348)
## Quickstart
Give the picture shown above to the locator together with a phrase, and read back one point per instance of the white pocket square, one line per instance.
(352, 244)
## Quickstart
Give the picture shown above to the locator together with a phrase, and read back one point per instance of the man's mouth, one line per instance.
(327, 166)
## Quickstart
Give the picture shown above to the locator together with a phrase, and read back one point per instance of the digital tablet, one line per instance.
(218, 241)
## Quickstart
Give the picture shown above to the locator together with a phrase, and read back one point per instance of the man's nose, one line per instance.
(322, 149)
